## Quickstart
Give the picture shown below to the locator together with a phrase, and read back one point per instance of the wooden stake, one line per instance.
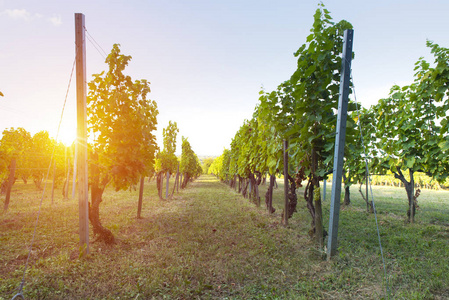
(81, 138)
(67, 182)
(12, 172)
(139, 205)
(54, 178)
(168, 183)
(177, 180)
(74, 172)
(285, 183)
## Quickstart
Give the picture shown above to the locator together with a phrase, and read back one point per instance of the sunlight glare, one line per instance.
(67, 136)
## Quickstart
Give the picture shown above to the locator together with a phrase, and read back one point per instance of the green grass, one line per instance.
(210, 243)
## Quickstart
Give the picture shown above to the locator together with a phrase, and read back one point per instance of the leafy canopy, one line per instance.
(121, 121)
(166, 160)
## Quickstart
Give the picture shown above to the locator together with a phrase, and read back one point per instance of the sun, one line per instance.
(67, 136)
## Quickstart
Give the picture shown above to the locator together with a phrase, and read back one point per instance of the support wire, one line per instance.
(371, 189)
(22, 283)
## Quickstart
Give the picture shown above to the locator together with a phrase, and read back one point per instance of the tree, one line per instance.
(217, 166)
(363, 151)
(408, 131)
(315, 86)
(41, 149)
(190, 165)
(15, 144)
(121, 121)
(166, 160)
(276, 117)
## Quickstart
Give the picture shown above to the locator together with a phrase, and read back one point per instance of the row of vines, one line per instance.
(122, 147)
(403, 134)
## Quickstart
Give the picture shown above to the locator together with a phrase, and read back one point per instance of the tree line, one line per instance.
(31, 156)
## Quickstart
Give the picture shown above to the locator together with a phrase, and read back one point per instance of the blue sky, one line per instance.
(206, 60)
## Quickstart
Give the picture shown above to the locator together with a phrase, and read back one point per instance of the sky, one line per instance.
(206, 60)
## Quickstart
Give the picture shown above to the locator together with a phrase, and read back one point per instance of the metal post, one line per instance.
(340, 143)
(81, 138)
(324, 190)
(285, 182)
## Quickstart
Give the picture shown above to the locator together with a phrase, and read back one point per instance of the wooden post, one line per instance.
(177, 180)
(412, 202)
(54, 177)
(368, 204)
(12, 173)
(139, 205)
(180, 179)
(340, 143)
(74, 172)
(168, 183)
(175, 186)
(81, 138)
(67, 184)
(162, 184)
(285, 182)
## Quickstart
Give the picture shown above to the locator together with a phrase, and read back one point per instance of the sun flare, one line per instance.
(67, 136)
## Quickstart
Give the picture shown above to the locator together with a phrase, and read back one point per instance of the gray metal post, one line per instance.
(340, 143)
(324, 190)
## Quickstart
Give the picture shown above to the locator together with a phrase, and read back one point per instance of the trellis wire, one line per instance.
(371, 189)
(22, 283)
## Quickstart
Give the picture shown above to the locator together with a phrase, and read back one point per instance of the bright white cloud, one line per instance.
(23, 14)
(18, 14)
(55, 20)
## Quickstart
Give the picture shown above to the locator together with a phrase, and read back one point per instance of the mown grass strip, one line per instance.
(210, 243)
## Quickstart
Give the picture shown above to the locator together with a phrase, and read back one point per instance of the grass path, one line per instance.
(206, 243)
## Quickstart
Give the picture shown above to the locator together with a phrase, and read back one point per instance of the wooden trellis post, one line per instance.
(139, 205)
(285, 182)
(81, 138)
(12, 172)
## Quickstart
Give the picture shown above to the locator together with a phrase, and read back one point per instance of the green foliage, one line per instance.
(275, 118)
(166, 160)
(15, 143)
(121, 121)
(301, 110)
(216, 167)
(32, 155)
(206, 163)
(190, 164)
(406, 131)
(315, 88)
